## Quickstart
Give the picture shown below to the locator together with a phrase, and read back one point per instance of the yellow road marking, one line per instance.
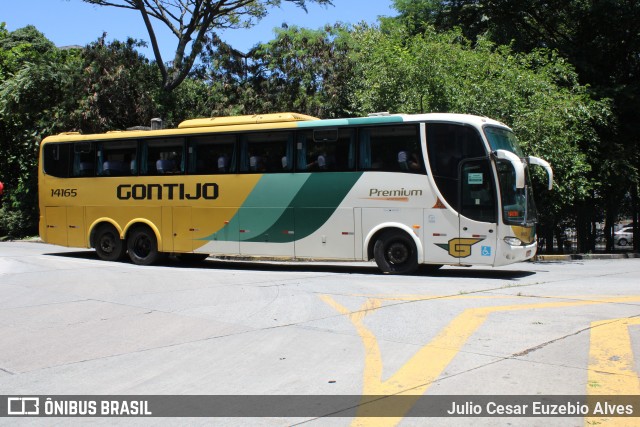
(417, 375)
(611, 364)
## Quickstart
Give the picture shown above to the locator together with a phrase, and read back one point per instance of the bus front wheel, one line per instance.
(108, 244)
(395, 253)
(142, 245)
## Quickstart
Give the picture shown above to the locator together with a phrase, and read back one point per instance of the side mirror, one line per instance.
(516, 162)
(538, 161)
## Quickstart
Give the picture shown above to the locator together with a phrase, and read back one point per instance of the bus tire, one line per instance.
(108, 244)
(142, 246)
(395, 253)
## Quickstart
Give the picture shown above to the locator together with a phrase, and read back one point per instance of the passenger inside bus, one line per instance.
(165, 166)
(223, 163)
(408, 162)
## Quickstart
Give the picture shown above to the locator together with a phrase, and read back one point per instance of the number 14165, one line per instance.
(64, 192)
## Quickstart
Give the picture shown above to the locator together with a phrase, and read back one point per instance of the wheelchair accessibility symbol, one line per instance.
(485, 251)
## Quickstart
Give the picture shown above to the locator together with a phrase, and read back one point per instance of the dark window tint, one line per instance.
(330, 150)
(448, 145)
(212, 154)
(84, 160)
(163, 156)
(116, 158)
(56, 159)
(391, 148)
(267, 152)
(478, 190)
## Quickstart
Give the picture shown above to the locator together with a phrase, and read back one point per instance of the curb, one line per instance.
(578, 257)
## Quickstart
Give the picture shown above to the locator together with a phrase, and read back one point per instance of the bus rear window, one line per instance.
(56, 160)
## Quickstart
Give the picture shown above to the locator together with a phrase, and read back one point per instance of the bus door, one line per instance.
(461, 170)
(478, 213)
(56, 225)
(182, 230)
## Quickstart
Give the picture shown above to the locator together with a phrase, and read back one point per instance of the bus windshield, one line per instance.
(518, 207)
(502, 139)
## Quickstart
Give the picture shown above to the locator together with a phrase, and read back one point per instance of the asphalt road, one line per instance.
(71, 324)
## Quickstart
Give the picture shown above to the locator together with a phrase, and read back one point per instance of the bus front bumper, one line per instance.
(508, 254)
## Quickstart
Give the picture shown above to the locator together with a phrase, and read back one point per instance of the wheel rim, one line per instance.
(107, 243)
(397, 253)
(142, 246)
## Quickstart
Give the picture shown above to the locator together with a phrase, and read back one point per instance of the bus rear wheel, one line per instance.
(108, 244)
(142, 245)
(395, 253)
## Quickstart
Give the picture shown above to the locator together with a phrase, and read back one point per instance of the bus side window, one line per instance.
(391, 149)
(212, 154)
(83, 160)
(116, 158)
(266, 152)
(163, 156)
(331, 150)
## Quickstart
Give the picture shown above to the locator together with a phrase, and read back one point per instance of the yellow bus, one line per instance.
(404, 190)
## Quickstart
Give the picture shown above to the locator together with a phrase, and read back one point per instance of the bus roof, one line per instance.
(272, 122)
(246, 120)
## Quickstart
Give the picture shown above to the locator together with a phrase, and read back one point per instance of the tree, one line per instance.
(36, 87)
(45, 90)
(300, 70)
(117, 87)
(193, 23)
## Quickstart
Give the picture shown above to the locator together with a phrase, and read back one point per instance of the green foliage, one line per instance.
(33, 102)
(301, 70)
(46, 91)
(116, 87)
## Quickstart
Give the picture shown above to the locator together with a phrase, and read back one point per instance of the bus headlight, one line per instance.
(513, 241)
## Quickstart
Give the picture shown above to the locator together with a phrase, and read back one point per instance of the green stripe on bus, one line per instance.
(316, 201)
(264, 205)
(355, 121)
